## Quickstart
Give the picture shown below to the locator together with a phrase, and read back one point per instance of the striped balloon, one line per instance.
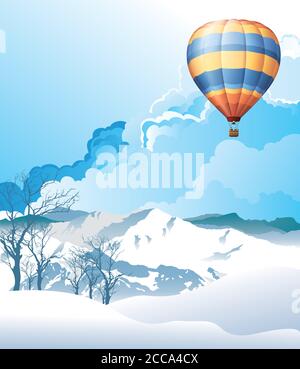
(233, 62)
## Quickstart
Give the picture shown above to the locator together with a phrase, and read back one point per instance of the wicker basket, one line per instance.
(233, 132)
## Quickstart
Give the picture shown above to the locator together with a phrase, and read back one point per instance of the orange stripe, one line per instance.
(221, 103)
(246, 103)
(233, 104)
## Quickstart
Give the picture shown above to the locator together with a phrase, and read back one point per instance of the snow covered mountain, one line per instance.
(165, 255)
(161, 239)
(140, 276)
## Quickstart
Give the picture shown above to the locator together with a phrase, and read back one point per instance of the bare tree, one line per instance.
(103, 257)
(15, 230)
(12, 233)
(28, 267)
(92, 275)
(40, 236)
(76, 263)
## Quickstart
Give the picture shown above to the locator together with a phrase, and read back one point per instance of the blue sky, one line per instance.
(71, 68)
(74, 67)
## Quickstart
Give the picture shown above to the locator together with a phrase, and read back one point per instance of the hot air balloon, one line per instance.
(233, 62)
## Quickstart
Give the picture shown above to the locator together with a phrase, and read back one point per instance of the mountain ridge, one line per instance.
(230, 220)
(249, 226)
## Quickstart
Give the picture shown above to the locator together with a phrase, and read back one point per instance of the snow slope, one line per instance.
(171, 264)
(58, 320)
(254, 302)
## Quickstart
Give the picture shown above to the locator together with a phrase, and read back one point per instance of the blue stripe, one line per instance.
(195, 53)
(233, 41)
(233, 78)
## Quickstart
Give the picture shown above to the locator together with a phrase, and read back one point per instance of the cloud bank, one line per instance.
(256, 175)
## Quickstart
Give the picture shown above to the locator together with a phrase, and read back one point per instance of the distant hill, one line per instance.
(248, 226)
(56, 217)
(66, 215)
(36, 218)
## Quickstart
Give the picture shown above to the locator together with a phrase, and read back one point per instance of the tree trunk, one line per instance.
(77, 290)
(17, 275)
(107, 296)
(29, 284)
(91, 292)
(39, 281)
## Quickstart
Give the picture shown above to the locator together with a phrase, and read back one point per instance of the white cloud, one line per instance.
(205, 111)
(177, 95)
(290, 46)
(166, 124)
(176, 108)
(249, 172)
(275, 101)
(285, 89)
(161, 100)
(173, 93)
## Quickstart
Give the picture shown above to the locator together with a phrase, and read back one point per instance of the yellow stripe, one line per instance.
(233, 26)
(261, 30)
(233, 60)
(233, 91)
(207, 29)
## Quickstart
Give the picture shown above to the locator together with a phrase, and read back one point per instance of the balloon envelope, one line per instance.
(233, 62)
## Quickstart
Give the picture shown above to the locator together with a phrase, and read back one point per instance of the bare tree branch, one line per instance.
(77, 267)
(28, 267)
(103, 257)
(16, 232)
(40, 235)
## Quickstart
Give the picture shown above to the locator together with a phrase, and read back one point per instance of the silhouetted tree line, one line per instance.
(96, 266)
(24, 239)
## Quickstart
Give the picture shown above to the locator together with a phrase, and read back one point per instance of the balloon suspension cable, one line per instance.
(233, 129)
